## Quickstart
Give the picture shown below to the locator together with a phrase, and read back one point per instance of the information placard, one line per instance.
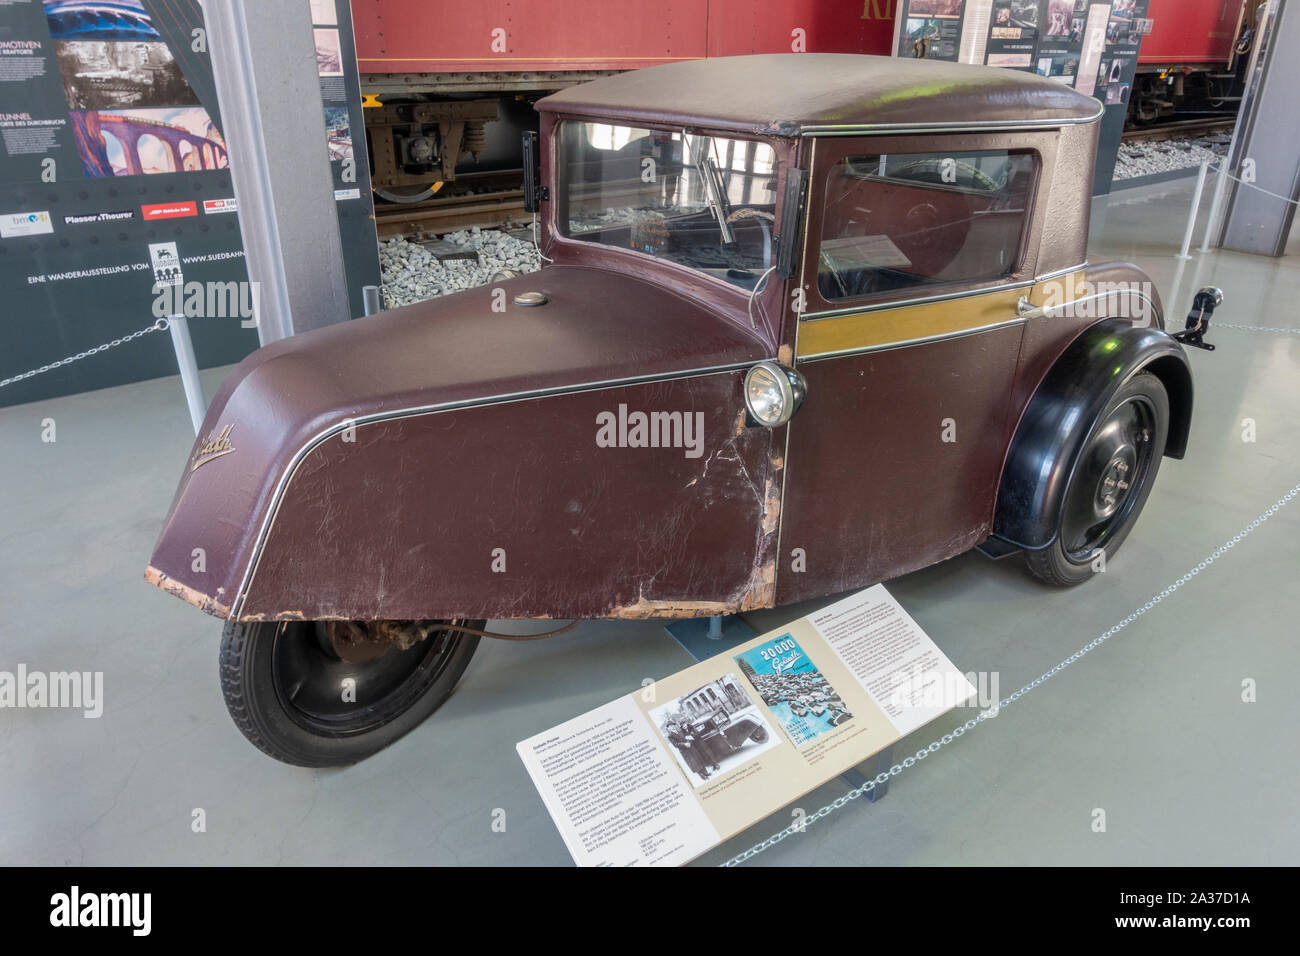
(672, 770)
(930, 29)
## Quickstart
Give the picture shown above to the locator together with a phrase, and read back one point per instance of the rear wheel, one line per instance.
(1109, 484)
(323, 694)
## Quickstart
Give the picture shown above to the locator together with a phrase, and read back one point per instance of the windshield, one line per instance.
(701, 201)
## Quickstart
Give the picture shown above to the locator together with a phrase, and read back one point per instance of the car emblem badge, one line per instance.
(218, 444)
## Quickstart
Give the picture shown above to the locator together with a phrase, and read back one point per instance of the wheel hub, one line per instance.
(338, 678)
(1103, 486)
(1115, 483)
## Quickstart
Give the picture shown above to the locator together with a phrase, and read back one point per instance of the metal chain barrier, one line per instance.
(158, 326)
(958, 732)
(1256, 328)
(1223, 169)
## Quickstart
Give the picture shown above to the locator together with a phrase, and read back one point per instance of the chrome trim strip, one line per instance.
(277, 497)
(904, 303)
(1060, 272)
(906, 343)
(1027, 311)
(907, 303)
(974, 126)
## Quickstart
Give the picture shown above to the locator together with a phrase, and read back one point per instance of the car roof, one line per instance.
(793, 94)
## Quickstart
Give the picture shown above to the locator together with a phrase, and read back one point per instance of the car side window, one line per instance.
(900, 221)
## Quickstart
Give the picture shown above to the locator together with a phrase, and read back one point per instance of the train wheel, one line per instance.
(408, 194)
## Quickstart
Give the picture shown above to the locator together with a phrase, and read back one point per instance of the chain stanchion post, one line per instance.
(183, 345)
(1216, 204)
(1185, 253)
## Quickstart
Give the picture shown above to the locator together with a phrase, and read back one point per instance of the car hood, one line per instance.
(472, 347)
(595, 326)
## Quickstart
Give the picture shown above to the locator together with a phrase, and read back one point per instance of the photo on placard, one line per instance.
(1010, 59)
(338, 132)
(714, 729)
(1024, 13)
(794, 689)
(147, 142)
(1117, 94)
(324, 13)
(1060, 18)
(329, 53)
(945, 9)
(112, 74)
(99, 20)
(1123, 32)
(922, 35)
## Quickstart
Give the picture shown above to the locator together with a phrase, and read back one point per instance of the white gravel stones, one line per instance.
(411, 273)
(1148, 157)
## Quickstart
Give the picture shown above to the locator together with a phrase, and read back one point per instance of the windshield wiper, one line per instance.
(712, 184)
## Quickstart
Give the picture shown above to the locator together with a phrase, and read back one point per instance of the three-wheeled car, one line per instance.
(806, 322)
(720, 736)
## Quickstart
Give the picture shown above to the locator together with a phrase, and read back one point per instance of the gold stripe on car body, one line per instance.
(928, 321)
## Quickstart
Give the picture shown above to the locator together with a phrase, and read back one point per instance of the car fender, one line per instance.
(1063, 411)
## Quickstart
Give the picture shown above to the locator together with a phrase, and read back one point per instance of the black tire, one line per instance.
(759, 736)
(1139, 407)
(266, 666)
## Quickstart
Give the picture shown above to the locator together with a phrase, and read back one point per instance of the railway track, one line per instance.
(487, 200)
(1179, 129)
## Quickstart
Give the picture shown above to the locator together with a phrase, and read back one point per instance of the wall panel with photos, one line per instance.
(1092, 46)
(115, 174)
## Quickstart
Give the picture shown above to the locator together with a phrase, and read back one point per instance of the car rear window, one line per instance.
(905, 220)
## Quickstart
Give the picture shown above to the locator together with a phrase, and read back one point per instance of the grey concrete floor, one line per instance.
(1150, 727)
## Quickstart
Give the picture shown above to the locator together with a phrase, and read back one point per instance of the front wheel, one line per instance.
(1109, 484)
(326, 694)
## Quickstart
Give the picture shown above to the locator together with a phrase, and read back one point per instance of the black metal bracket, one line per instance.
(1195, 337)
(535, 193)
(1198, 320)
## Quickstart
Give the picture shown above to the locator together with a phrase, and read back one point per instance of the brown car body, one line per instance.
(438, 461)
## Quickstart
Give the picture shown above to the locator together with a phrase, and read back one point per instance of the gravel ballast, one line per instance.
(1149, 157)
(412, 273)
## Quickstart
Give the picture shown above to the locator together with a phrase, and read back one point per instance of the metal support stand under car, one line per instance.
(705, 637)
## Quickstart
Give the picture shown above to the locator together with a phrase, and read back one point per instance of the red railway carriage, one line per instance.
(416, 36)
(1192, 33)
(1192, 59)
(457, 81)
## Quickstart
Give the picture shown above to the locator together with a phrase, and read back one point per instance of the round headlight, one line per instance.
(769, 394)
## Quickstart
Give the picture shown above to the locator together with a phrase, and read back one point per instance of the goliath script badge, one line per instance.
(216, 446)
